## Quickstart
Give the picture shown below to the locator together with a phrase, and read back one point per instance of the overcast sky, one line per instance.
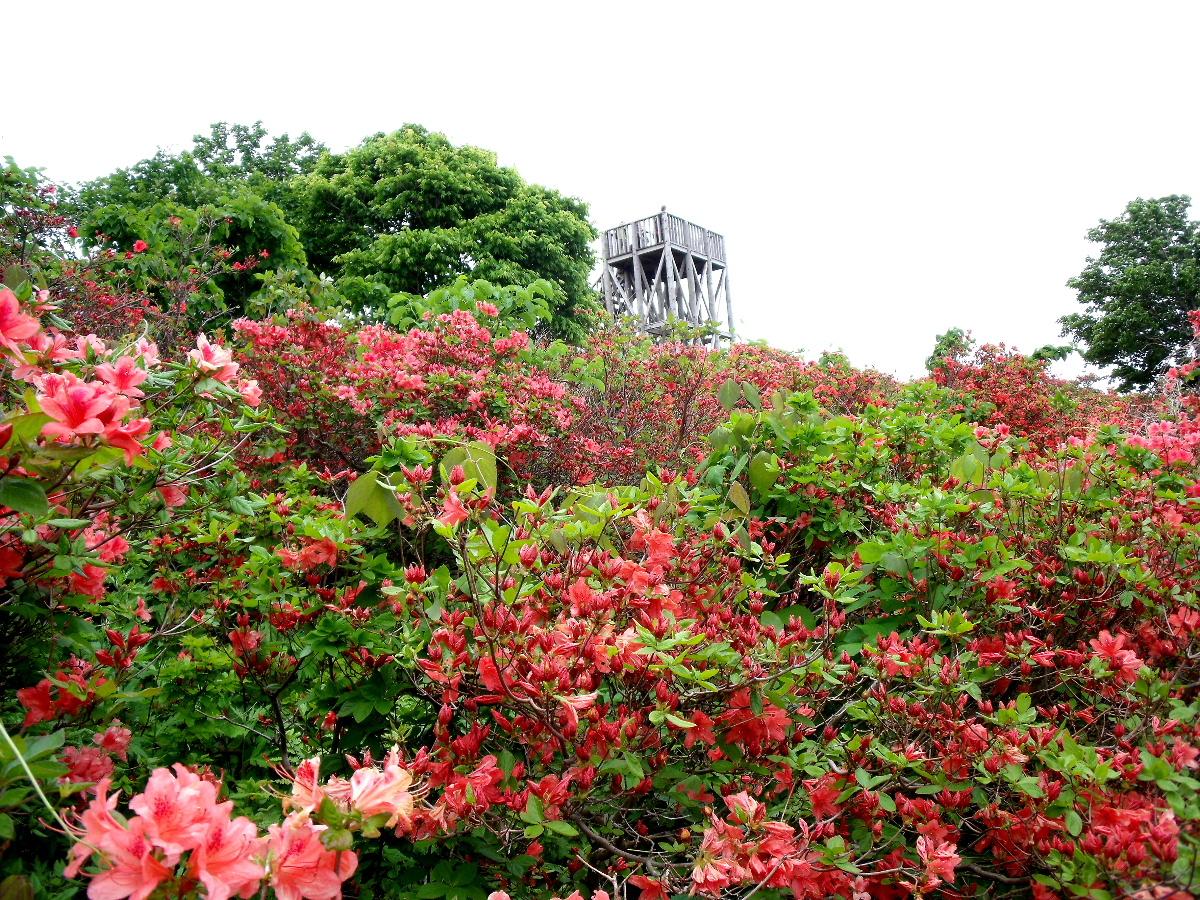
(881, 171)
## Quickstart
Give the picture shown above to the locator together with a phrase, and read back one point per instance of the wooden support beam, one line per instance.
(638, 277)
(607, 278)
(693, 287)
(694, 280)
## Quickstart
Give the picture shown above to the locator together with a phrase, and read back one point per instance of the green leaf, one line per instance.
(966, 468)
(478, 460)
(337, 839)
(26, 428)
(764, 471)
(729, 394)
(1073, 480)
(739, 498)
(870, 552)
(752, 395)
(15, 276)
(560, 827)
(23, 495)
(367, 496)
(1074, 822)
(44, 745)
(534, 810)
(721, 439)
(1030, 786)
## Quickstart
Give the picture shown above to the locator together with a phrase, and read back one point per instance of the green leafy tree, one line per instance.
(242, 153)
(228, 193)
(33, 229)
(408, 212)
(1138, 291)
(503, 308)
(952, 345)
(224, 161)
(390, 221)
(217, 257)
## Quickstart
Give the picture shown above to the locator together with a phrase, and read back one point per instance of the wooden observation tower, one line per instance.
(662, 268)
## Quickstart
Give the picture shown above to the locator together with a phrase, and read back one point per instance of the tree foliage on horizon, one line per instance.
(389, 221)
(433, 609)
(405, 213)
(1138, 291)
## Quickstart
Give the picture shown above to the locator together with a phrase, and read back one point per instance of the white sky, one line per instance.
(881, 170)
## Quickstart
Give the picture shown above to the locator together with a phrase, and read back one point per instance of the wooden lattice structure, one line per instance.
(665, 268)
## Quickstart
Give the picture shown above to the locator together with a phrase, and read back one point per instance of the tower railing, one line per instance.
(664, 268)
(664, 228)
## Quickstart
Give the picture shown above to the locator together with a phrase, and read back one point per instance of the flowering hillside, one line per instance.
(321, 607)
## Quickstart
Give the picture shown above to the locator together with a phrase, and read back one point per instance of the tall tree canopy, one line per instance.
(229, 190)
(229, 159)
(1137, 293)
(388, 221)
(407, 212)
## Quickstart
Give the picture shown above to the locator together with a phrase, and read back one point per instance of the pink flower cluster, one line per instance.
(177, 815)
(380, 796)
(101, 409)
(216, 362)
(82, 409)
(16, 328)
(89, 765)
(745, 849)
(182, 837)
(78, 409)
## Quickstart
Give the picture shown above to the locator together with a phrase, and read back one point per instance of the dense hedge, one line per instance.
(449, 612)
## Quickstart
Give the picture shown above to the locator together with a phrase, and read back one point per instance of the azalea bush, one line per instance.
(310, 604)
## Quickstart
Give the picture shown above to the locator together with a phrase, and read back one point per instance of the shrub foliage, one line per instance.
(434, 609)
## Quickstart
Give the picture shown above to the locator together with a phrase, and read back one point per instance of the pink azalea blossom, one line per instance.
(176, 809)
(251, 392)
(1123, 661)
(85, 765)
(134, 870)
(453, 510)
(148, 351)
(14, 325)
(376, 792)
(301, 868)
(306, 786)
(939, 858)
(85, 345)
(213, 360)
(124, 375)
(573, 706)
(224, 861)
(744, 807)
(95, 825)
(115, 739)
(173, 494)
(126, 437)
(74, 405)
